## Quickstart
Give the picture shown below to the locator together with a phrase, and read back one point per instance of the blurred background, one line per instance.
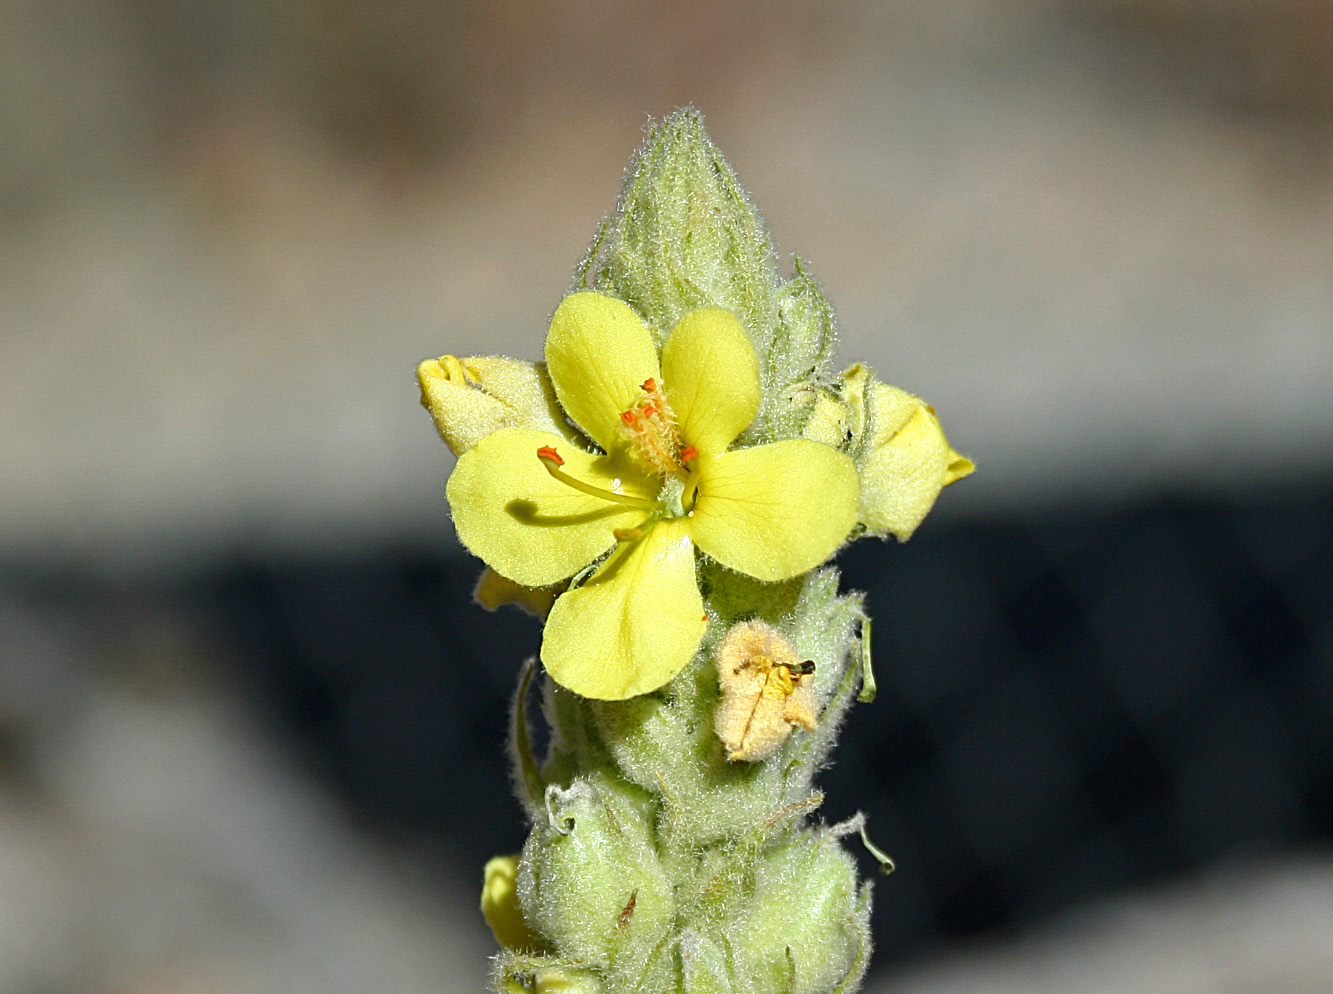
(250, 725)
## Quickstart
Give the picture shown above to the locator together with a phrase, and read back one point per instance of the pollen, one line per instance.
(547, 453)
(766, 691)
(654, 437)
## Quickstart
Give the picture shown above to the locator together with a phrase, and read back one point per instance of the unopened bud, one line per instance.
(472, 397)
(902, 456)
(562, 980)
(807, 928)
(500, 908)
(590, 880)
(682, 211)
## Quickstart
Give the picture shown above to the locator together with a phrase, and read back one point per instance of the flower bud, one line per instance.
(590, 880)
(562, 980)
(902, 456)
(472, 397)
(807, 928)
(685, 234)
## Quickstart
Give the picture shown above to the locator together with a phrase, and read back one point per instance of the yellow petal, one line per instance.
(599, 353)
(500, 908)
(906, 462)
(512, 514)
(634, 625)
(711, 378)
(493, 591)
(959, 467)
(470, 398)
(775, 510)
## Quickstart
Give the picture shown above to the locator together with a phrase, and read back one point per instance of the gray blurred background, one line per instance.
(249, 725)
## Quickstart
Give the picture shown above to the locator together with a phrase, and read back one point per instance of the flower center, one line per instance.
(651, 429)
(650, 426)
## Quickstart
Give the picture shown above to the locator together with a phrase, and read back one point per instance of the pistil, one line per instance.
(552, 460)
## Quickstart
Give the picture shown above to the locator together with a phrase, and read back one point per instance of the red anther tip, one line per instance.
(628, 418)
(649, 384)
(689, 454)
(548, 453)
(649, 410)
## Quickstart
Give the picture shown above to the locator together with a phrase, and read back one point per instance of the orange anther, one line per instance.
(628, 418)
(650, 385)
(547, 453)
(688, 454)
(648, 410)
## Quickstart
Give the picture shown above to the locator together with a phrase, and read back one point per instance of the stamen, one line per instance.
(688, 455)
(651, 427)
(691, 492)
(552, 460)
(634, 534)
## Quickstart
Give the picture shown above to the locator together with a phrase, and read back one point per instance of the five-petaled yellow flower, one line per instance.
(538, 509)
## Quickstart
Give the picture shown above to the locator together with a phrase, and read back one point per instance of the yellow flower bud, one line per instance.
(471, 398)
(903, 458)
(500, 908)
(559, 980)
(806, 929)
(591, 880)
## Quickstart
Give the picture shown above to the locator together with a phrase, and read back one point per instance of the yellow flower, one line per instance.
(539, 509)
